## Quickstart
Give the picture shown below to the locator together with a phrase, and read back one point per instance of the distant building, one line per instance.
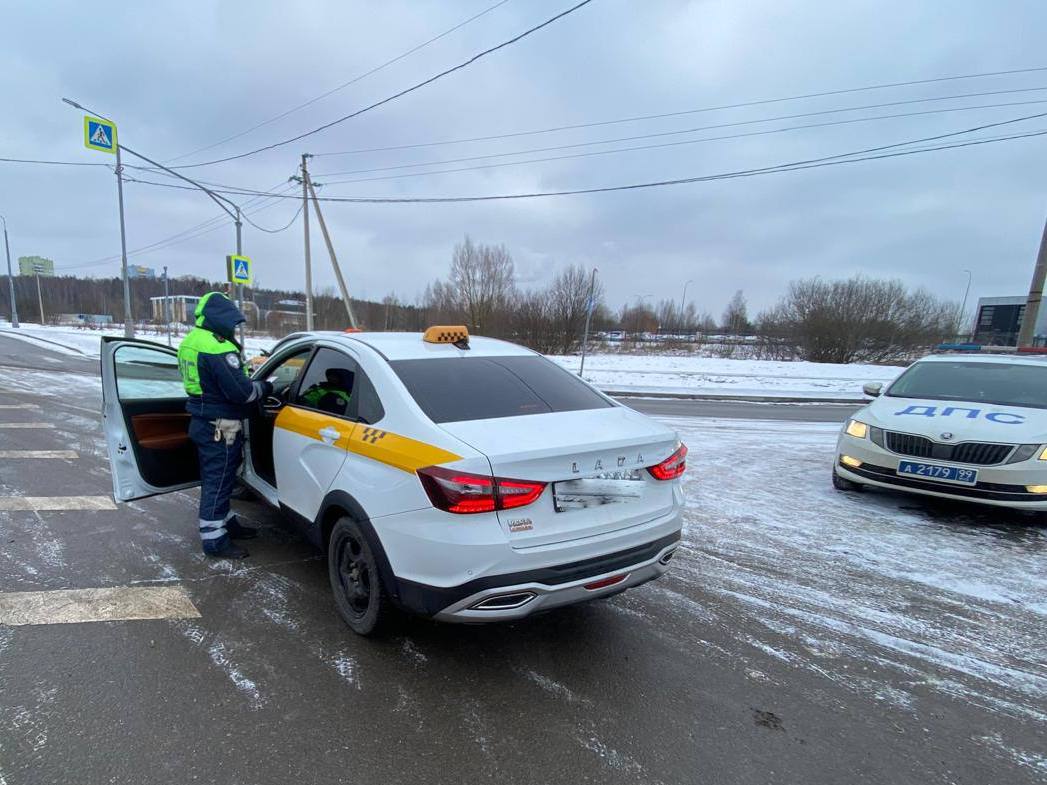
(35, 265)
(138, 271)
(999, 320)
(182, 308)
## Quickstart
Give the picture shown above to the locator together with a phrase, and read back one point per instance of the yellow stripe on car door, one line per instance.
(383, 446)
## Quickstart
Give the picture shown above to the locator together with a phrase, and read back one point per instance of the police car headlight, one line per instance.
(860, 430)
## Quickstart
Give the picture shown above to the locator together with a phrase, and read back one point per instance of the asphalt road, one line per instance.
(676, 682)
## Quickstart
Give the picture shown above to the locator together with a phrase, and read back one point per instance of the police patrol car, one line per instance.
(971, 427)
(468, 479)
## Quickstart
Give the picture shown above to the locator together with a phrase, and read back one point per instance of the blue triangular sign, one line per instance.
(241, 269)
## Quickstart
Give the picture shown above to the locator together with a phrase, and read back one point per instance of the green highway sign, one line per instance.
(238, 269)
(99, 134)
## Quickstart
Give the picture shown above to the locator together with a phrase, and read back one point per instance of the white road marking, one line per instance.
(4, 406)
(67, 455)
(74, 606)
(11, 503)
(26, 425)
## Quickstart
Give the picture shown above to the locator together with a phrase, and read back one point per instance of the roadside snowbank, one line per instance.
(638, 374)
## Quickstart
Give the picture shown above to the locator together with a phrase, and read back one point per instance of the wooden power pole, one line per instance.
(1032, 305)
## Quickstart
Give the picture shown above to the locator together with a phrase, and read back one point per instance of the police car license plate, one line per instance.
(930, 471)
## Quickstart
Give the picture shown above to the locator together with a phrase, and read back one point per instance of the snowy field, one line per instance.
(948, 598)
(638, 374)
(721, 376)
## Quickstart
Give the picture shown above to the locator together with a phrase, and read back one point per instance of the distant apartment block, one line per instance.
(35, 265)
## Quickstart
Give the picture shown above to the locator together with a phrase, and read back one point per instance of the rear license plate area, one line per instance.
(930, 471)
(620, 487)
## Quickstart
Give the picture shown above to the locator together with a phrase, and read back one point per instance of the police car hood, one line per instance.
(964, 420)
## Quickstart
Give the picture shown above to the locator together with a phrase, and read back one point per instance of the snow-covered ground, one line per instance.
(638, 374)
(946, 598)
(719, 376)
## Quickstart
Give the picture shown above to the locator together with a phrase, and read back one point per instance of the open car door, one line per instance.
(144, 419)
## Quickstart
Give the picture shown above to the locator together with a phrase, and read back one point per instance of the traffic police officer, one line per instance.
(219, 391)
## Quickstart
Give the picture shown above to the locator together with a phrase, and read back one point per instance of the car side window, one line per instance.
(142, 372)
(284, 374)
(329, 383)
(335, 384)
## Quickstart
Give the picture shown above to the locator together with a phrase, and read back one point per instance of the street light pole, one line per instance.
(40, 298)
(129, 324)
(683, 299)
(589, 306)
(966, 292)
(167, 309)
(10, 277)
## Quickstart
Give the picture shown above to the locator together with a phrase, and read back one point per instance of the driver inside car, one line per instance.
(331, 395)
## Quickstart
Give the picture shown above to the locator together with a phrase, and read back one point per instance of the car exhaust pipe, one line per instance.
(667, 557)
(504, 602)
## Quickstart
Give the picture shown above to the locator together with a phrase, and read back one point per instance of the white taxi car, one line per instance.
(467, 479)
(970, 427)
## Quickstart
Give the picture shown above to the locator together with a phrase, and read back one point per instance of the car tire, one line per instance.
(840, 484)
(355, 580)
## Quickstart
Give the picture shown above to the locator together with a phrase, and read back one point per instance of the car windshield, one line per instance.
(453, 389)
(1003, 384)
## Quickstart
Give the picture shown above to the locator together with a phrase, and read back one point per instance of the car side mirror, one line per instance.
(872, 389)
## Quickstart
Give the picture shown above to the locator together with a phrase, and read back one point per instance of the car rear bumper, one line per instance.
(519, 594)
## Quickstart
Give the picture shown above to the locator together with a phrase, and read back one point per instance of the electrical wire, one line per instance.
(191, 233)
(342, 86)
(849, 121)
(636, 118)
(802, 164)
(400, 94)
(49, 163)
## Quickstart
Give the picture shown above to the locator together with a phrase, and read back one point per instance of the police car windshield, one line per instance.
(454, 389)
(1004, 384)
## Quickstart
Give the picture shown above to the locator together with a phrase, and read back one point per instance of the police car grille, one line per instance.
(977, 453)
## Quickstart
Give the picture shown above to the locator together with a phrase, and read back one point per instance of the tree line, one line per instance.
(841, 321)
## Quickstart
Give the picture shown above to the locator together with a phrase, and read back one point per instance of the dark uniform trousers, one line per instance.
(219, 465)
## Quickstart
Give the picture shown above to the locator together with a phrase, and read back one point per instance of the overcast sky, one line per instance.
(178, 76)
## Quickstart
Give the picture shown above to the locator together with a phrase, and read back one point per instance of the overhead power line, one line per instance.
(848, 157)
(48, 163)
(400, 94)
(637, 118)
(343, 85)
(828, 124)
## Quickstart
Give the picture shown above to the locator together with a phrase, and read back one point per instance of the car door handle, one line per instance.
(329, 434)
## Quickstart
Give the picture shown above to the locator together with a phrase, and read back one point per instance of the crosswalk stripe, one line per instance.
(34, 503)
(73, 606)
(26, 425)
(67, 455)
(5, 406)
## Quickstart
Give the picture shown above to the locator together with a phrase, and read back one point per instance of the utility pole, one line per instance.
(590, 306)
(334, 259)
(240, 287)
(10, 278)
(308, 255)
(40, 298)
(167, 309)
(1032, 305)
(963, 307)
(129, 322)
(683, 299)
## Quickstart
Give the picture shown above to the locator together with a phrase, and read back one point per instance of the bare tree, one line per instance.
(855, 320)
(736, 315)
(482, 282)
(568, 306)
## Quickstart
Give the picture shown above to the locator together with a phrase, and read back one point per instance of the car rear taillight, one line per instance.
(464, 493)
(672, 467)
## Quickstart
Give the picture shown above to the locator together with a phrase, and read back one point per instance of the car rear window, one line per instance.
(1003, 384)
(454, 389)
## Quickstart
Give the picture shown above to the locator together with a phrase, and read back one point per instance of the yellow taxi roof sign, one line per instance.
(443, 333)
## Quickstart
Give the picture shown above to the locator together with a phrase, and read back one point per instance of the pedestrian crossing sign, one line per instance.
(99, 134)
(239, 269)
